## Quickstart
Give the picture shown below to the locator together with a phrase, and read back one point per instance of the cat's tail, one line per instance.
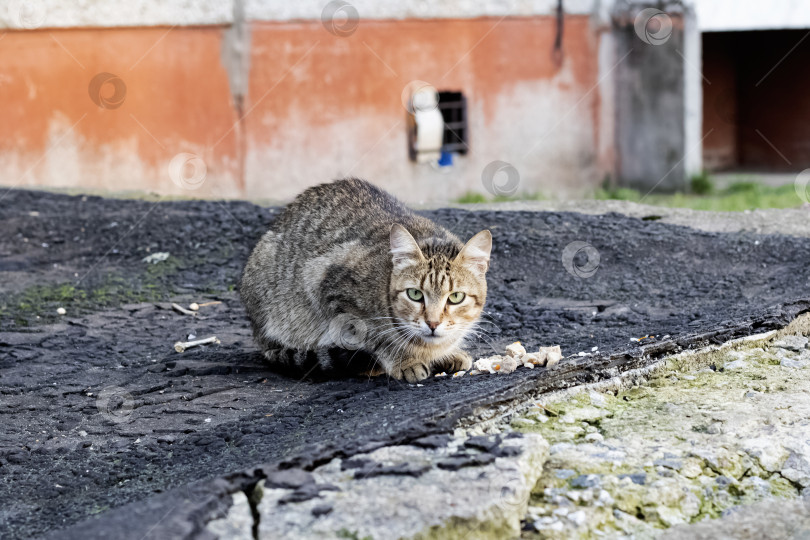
(319, 362)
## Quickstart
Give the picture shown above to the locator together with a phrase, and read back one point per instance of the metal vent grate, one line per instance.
(453, 106)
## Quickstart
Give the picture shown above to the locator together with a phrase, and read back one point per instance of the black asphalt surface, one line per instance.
(106, 431)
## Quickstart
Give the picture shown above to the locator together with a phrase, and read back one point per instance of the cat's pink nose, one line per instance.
(432, 325)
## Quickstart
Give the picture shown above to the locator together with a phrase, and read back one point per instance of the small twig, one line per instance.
(549, 411)
(181, 346)
(180, 309)
(212, 303)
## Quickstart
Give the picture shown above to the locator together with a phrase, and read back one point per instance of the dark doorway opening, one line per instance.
(756, 102)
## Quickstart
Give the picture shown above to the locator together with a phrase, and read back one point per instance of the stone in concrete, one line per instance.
(484, 500)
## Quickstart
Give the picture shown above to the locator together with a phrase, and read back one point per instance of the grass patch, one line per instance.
(737, 197)
(38, 303)
(702, 184)
(474, 197)
(43, 300)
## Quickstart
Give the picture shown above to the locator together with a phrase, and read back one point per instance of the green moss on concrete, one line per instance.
(647, 457)
(351, 535)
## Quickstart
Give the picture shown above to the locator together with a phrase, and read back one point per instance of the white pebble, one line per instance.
(578, 518)
(61, 311)
(194, 306)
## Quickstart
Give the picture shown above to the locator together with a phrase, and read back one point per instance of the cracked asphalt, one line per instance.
(106, 431)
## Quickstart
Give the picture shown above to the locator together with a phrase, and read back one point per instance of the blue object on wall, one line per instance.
(446, 159)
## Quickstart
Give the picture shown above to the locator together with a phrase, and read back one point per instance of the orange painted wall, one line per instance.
(368, 70)
(316, 104)
(177, 100)
(348, 90)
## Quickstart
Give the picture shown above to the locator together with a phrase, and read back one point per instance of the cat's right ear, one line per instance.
(404, 249)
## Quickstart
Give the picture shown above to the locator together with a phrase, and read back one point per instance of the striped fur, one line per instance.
(326, 287)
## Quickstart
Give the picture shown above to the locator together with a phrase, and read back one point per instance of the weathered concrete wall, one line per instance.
(732, 15)
(650, 101)
(524, 108)
(263, 109)
(29, 14)
(165, 92)
(254, 98)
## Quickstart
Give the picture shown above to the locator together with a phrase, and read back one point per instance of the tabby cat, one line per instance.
(348, 270)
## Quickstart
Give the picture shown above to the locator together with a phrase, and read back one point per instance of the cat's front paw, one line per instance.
(412, 374)
(457, 361)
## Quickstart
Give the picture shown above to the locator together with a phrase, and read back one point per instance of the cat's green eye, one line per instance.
(415, 295)
(456, 297)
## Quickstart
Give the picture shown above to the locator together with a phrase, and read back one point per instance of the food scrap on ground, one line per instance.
(515, 350)
(155, 258)
(181, 346)
(180, 309)
(516, 356)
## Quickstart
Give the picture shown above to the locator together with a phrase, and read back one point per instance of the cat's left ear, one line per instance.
(475, 253)
(404, 249)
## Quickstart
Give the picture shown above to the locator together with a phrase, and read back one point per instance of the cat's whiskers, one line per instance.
(391, 330)
(398, 344)
(384, 334)
(474, 329)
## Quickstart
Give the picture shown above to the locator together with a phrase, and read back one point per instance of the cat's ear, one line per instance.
(475, 253)
(404, 249)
